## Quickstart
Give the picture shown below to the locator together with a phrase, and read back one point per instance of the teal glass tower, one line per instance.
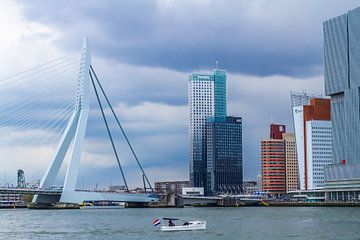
(220, 94)
(206, 98)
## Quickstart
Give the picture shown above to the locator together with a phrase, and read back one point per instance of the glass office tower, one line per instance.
(224, 156)
(206, 98)
(342, 83)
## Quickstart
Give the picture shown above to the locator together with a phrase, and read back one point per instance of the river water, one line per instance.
(222, 223)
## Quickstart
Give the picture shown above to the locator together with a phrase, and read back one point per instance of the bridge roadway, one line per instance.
(52, 196)
(30, 191)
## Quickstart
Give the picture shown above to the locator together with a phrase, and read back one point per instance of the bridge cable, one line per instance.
(108, 131)
(39, 66)
(122, 130)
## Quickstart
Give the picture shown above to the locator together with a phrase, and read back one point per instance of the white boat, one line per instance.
(187, 226)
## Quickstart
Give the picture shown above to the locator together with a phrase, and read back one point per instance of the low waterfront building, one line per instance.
(342, 182)
(117, 188)
(250, 187)
(192, 191)
(167, 187)
(11, 200)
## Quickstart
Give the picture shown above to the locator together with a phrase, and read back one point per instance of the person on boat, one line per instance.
(171, 224)
(186, 223)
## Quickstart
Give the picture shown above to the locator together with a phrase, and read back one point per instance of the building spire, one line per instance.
(217, 64)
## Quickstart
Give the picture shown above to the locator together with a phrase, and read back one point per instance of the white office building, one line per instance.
(310, 155)
(201, 106)
(298, 116)
(319, 152)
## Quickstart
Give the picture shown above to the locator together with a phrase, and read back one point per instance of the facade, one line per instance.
(317, 111)
(11, 200)
(291, 163)
(318, 152)
(301, 98)
(192, 191)
(117, 188)
(168, 187)
(250, 187)
(273, 166)
(342, 182)
(277, 131)
(206, 98)
(224, 155)
(259, 183)
(342, 83)
(298, 100)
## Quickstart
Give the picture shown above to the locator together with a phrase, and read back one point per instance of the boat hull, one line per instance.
(195, 225)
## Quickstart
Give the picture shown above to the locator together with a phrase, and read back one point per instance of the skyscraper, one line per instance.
(279, 168)
(224, 155)
(318, 152)
(342, 83)
(291, 163)
(298, 100)
(313, 141)
(207, 98)
(273, 166)
(273, 162)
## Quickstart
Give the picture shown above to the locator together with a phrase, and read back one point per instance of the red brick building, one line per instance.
(273, 161)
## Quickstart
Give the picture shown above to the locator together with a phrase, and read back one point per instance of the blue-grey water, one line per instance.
(222, 223)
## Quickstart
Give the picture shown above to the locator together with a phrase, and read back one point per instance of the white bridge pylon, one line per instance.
(73, 140)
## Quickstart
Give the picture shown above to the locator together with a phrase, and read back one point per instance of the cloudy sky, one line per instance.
(144, 51)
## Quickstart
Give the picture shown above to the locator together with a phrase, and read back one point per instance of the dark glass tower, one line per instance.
(224, 155)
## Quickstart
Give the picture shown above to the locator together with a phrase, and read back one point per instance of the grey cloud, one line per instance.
(262, 38)
(253, 37)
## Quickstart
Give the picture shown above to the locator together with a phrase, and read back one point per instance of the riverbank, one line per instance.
(313, 204)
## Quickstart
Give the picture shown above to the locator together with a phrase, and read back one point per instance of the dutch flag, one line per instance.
(156, 222)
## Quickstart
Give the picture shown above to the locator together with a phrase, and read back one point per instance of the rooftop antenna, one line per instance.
(217, 63)
(271, 119)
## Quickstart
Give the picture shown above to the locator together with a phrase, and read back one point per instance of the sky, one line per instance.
(144, 50)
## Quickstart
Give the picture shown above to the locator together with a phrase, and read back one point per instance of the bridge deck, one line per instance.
(29, 191)
(81, 196)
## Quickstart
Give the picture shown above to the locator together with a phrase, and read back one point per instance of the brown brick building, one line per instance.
(291, 163)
